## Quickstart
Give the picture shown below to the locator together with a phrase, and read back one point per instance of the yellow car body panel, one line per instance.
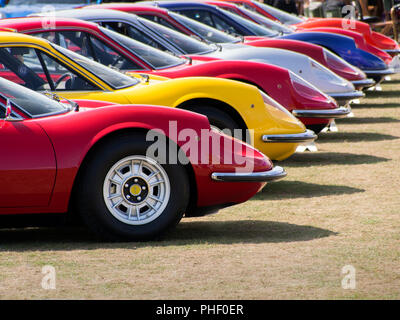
(245, 99)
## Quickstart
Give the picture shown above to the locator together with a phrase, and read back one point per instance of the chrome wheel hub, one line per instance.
(136, 190)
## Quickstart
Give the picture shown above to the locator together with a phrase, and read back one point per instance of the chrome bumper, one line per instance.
(347, 96)
(392, 51)
(363, 83)
(336, 113)
(306, 136)
(264, 176)
(379, 73)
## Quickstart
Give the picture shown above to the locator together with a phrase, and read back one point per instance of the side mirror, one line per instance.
(8, 113)
(8, 110)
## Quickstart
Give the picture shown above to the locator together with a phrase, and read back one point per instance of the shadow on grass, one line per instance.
(353, 137)
(366, 105)
(307, 159)
(394, 81)
(370, 120)
(383, 94)
(186, 233)
(298, 189)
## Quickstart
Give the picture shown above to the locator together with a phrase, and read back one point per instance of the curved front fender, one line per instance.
(343, 46)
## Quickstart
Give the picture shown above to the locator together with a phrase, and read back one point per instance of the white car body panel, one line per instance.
(302, 65)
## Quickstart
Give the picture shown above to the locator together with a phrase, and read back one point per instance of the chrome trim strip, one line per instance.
(347, 95)
(364, 83)
(306, 136)
(392, 50)
(328, 113)
(264, 176)
(382, 72)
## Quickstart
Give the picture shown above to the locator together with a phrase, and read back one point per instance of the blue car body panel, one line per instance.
(342, 45)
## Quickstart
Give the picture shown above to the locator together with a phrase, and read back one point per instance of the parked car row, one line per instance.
(135, 115)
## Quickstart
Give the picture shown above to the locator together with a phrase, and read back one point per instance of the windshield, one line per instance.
(154, 57)
(115, 79)
(273, 25)
(183, 42)
(203, 30)
(30, 2)
(282, 16)
(31, 102)
(256, 29)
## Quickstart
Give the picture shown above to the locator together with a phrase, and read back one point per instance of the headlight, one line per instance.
(324, 74)
(306, 89)
(337, 63)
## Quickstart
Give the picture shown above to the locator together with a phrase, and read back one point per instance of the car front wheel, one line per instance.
(126, 195)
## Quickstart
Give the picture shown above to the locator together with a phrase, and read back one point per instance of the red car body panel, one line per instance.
(373, 38)
(38, 173)
(275, 81)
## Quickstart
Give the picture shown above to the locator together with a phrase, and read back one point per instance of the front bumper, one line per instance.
(395, 64)
(336, 113)
(264, 176)
(343, 97)
(378, 73)
(365, 83)
(306, 136)
(392, 51)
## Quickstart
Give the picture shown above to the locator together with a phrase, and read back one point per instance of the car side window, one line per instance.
(90, 47)
(247, 6)
(159, 20)
(222, 25)
(209, 19)
(199, 15)
(63, 78)
(38, 71)
(22, 65)
(133, 33)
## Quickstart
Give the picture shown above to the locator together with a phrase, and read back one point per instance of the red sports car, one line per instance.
(110, 48)
(63, 156)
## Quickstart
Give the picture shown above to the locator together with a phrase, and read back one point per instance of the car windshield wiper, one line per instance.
(218, 46)
(74, 105)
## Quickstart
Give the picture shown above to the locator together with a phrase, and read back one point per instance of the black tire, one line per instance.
(90, 203)
(217, 118)
(317, 128)
(221, 120)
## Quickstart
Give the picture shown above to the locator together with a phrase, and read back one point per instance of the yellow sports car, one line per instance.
(43, 66)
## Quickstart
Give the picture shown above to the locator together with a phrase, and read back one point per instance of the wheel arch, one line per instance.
(114, 135)
(218, 104)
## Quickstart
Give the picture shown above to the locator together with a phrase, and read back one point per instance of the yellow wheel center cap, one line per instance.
(135, 190)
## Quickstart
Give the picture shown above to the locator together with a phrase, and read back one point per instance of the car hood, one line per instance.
(302, 65)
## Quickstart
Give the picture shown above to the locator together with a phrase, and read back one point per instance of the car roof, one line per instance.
(221, 3)
(92, 14)
(12, 37)
(31, 23)
(127, 7)
(176, 4)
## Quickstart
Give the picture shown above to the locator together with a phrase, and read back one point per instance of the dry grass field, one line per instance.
(337, 207)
